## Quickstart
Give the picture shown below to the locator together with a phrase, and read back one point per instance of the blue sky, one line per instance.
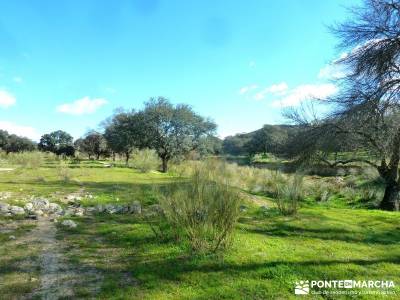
(69, 64)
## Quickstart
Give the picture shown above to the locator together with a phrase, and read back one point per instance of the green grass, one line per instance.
(269, 252)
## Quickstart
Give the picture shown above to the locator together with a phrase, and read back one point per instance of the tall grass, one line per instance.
(27, 160)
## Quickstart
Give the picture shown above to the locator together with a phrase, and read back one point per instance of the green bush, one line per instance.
(202, 212)
(145, 160)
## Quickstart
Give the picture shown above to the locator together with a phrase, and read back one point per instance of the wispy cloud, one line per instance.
(6, 99)
(306, 92)
(20, 130)
(247, 89)
(275, 89)
(331, 71)
(82, 106)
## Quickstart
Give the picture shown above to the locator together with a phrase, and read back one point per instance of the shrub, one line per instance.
(145, 160)
(202, 212)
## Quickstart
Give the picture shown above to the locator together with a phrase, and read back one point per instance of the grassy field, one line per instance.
(270, 252)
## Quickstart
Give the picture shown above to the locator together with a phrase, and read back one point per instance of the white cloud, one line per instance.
(20, 130)
(331, 71)
(82, 106)
(17, 79)
(6, 99)
(275, 89)
(305, 92)
(247, 89)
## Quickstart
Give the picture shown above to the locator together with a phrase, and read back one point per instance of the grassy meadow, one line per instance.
(335, 234)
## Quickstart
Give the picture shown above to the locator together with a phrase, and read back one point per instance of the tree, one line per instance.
(172, 130)
(209, 145)
(3, 138)
(269, 139)
(18, 144)
(93, 143)
(236, 145)
(124, 132)
(367, 107)
(58, 142)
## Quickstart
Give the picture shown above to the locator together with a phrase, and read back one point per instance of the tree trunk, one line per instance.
(164, 164)
(97, 156)
(390, 173)
(390, 199)
(127, 155)
(113, 156)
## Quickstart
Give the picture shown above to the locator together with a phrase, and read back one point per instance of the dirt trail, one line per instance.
(57, 277)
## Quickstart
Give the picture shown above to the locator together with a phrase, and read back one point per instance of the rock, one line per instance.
(264, 207)
(69, 223)
(79, 212)
(11, 237)
(135, 207)
(119, 209)
(16, 210)
(90, 209)
(38, 212)
(100, 208)
(110, 209)
(55, 208)
(4, 208)
(41, 204)
(28, 206)
(32, 217)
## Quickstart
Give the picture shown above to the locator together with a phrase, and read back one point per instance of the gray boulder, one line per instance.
(4, 208)
(69, 223)
(16, 210)
(100, 208)
(135, 207)
(28, 206)
(55, 208)
(41, 204)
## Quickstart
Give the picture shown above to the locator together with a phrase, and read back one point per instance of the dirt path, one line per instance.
(57, 277)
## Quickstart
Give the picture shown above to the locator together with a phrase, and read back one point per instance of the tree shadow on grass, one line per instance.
(387, 237)
(137, 254)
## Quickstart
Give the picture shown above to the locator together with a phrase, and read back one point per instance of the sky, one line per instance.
(70, 64)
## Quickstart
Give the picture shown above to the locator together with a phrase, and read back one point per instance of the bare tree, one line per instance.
(367, 106)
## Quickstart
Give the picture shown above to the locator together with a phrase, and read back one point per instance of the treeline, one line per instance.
(275, 139)
(172, 131)
(13, 143)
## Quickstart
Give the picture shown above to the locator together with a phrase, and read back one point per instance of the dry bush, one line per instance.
(288, 194)
(202, 212)
(63, 172)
